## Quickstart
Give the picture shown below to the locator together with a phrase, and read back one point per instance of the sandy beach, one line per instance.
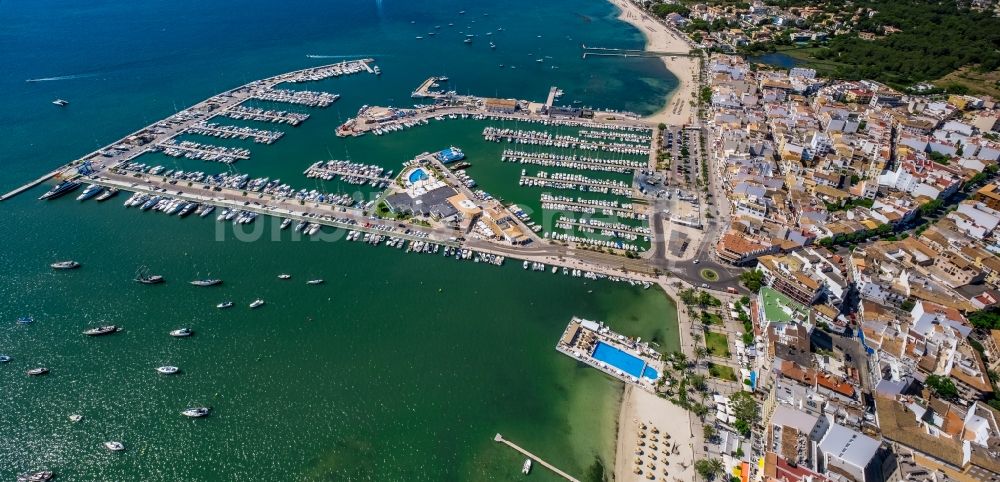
(677, 109)
(655, 433)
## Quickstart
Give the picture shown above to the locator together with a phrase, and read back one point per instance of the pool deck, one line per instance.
(581, 337)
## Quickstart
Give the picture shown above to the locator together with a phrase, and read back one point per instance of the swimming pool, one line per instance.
(417, 175)
(623, 361)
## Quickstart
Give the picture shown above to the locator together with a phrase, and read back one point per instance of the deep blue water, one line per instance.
(124, 64)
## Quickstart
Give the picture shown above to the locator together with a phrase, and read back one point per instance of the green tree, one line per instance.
(709, 431)
(708, 468)
(942, 386)
(752, 279)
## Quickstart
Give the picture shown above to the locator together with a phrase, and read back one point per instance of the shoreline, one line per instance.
(677, 109)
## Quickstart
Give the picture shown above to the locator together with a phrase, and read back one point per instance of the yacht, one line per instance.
(187, 209)
(167, 370)
(208, 210)
(91, 191)
(222, 216)
(5, 358)
(314, 282)
(284, 276)
(41, 476)
(224, 305)
(114, 446)
(196, 412)
(101, 330)
(285, 223)
(34, 372)
(181, 333)
(75, 418)
(110, 193)
(65, 265)
(468, 40)
(206, 282)
(25, 320)
(142, 276)
(257, 303)
(377, 70)
(526, 467)
(60, 190)
(61, 102)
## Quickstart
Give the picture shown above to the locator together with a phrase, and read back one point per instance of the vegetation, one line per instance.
(942, 386)
(745, 411)
(722, 372)
(851, 204)
(595, 473)
(708, 468)
(935, 39)
(717, 344)
(753, 280)
(986, 319)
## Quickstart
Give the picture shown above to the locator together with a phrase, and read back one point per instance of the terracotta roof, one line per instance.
(840, 387)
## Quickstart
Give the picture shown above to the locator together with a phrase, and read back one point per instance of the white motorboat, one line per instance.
(526, 467)
(196, 412)
(167, 370)
(181, 332)
(257, 303)
(114, 446)
(224, 305)
(75, 418)
(284, 276)
(314, 282)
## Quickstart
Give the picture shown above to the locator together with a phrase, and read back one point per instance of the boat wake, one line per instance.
(358, 56)
(61, 77)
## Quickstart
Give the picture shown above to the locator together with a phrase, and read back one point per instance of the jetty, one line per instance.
(31, 184)
(537, 459)
(613, 52)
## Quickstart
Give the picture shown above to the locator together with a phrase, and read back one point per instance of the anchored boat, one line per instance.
(206, 282)
(196, 412)
(65, 265)
(101, 330)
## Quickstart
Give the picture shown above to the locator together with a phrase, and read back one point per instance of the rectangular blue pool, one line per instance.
(623, 361)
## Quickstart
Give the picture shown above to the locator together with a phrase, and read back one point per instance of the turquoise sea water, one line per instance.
(399, 367)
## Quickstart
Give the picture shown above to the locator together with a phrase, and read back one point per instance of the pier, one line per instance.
(552, 96)
(613, 52)
(350, 172)
(30, 185)
(261, 115)
(424, 90)
(194, 150)
(621, 166)
(573, 183)
(569, 223)
(307, 98)
(561, 204)
(537, 459)
(260, 136)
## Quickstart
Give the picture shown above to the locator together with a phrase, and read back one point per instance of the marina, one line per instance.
(304, 316)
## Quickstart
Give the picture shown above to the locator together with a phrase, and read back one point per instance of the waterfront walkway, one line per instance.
(499, 438)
